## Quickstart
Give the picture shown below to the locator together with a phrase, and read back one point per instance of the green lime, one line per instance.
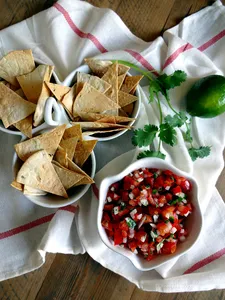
(206, 98)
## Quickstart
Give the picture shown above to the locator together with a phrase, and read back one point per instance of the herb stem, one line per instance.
(160, 117)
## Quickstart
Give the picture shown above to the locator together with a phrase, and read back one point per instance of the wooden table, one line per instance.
(78, 276)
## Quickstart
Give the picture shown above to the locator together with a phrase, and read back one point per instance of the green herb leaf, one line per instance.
(171, 81)
(130, 222)
(149, 153)
(199, 152)
(122, 205)
(159, 245)
(168, 134)
(187, 136)
(154, 235)
(154, 191)
(175, 201)
(171, 219)
(154, 88)
(175, 121)
(144, 137)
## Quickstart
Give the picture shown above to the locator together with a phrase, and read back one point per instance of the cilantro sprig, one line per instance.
(166, 130)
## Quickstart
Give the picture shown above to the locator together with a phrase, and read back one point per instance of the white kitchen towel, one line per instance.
(64, 35)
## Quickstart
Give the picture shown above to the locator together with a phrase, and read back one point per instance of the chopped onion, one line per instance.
(153, 225)
(132, 187)
(141, 222)
(135, 251)
(167, 188)
(144, 202)
(124, 240)
(139, 216)
(187, 213)
(182, 231)
(131, 195)
(143, 238)
(155, 218)
(182, 238)
(140, 179)
(161, 204)
(133, 212)
(109, 199)
(173, 230)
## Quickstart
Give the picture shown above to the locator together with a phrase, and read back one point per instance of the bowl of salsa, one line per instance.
(149, 213)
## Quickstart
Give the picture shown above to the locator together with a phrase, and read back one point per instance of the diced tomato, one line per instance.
(129, 183)
(158, 182)
(153, 200)
(169, 197)
(150, 181)
(106, 216)
(124, 233)
(147, 173)
(182, 232)
(148, 219)
(109, 233)
(154, 210)
(150, 257)
(184, 209)
(108, 207)
(107, 225)
(176, 190)
(141, 235)
(169, 247)
(136, 192)
(164, 228)
(133, 202)
(125, 196)
(113, 196)
(123, 212)
(114, 187)
(159, 239)
(118, 238)
(168, 182)
(123, 225)
(167, 212)
(144, 246)
(168, 173)
(162, 200)
(185, 185)
(132, 245)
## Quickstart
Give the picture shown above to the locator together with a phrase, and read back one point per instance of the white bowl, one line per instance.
(193, 222)
(69, 81)
(54, 201)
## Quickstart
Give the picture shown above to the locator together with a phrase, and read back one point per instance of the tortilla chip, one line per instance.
(16, 185)
(16, 63)
(20, 93)
(88, 133)
(121, 80)
(130, 83)
(98, 125)
(115, 119)
(61, 157)
(25, 126)
(39, 173)
(125, 99)
(67, 177)
(74, 131)
(100, 67)
(48, 141)
(69, 146)
(122, 113)
(91, 100)
(73, 167)
(99, 84)
(128, 109)
(9, 85)
(68, 99)
(32, 82)
(39, 112)
(59, 91)
(83, 150)
(28, 190)
(13, 108)
(111, 76)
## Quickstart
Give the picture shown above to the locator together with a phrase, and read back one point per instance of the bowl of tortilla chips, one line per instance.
(23, 92)
(54, 168)
(103, 98)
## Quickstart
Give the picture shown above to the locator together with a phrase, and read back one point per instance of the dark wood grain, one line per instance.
(80, 277)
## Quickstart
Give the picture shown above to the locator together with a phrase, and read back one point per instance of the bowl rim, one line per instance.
(138, 261)
(58, 203)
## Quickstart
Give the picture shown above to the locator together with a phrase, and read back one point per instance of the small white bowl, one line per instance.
(193, 222)
(69, 81)
(54, 201)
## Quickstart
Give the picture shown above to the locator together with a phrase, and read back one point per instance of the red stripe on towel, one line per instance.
(205, 261)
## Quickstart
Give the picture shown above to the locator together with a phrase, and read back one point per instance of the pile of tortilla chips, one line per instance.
(53, 162)
(100, 102)
(23, 90)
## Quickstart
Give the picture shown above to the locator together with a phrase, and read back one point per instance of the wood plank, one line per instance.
(15, 11)
(28, 285)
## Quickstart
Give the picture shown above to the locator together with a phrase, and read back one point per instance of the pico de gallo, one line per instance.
(145, 212)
